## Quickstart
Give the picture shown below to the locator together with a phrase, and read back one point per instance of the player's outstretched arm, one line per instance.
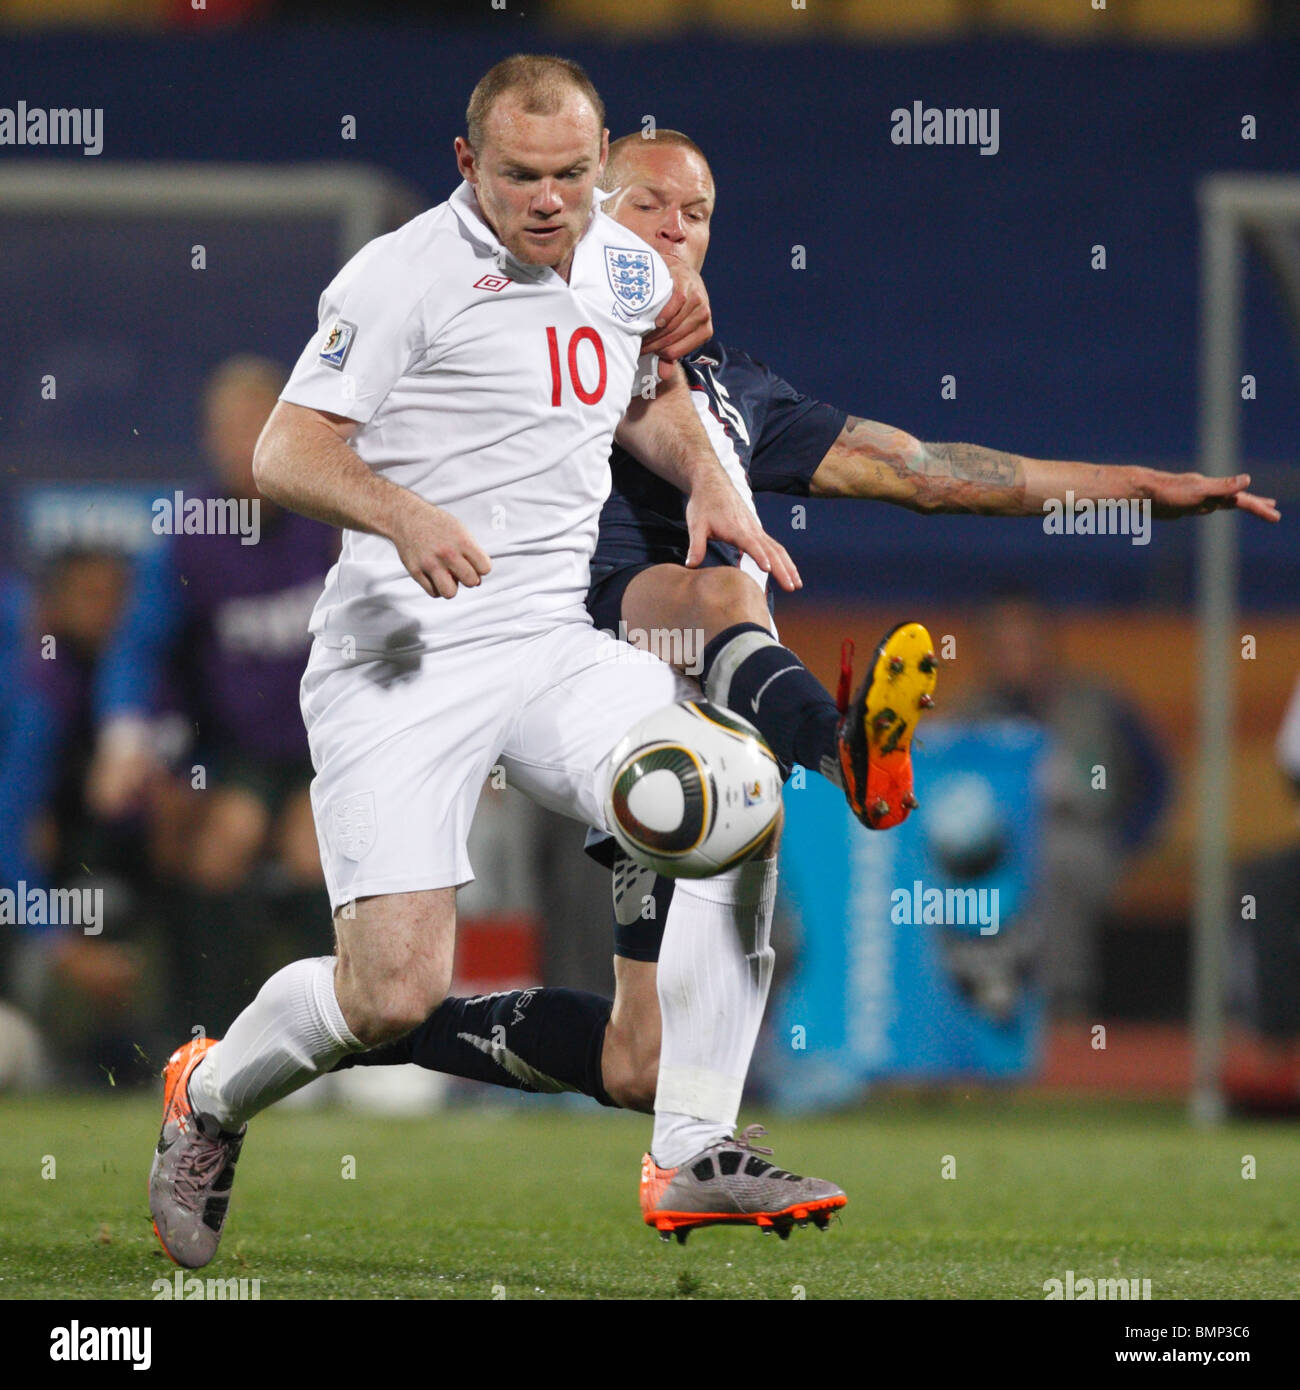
(303, 462)
(665, 435)
(871, 460)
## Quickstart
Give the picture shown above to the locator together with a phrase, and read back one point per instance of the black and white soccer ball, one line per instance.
(694, 790)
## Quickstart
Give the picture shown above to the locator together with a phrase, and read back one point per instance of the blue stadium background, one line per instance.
(921, 261)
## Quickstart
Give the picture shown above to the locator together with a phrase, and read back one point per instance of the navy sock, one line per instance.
(527, 1039)
(748, 671)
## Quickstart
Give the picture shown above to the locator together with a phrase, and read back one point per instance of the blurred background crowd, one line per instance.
(151, 745)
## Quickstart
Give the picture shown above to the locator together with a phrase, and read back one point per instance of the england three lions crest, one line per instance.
(352, 819)
(632, 278)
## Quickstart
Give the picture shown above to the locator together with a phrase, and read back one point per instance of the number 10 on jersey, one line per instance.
(580, 335)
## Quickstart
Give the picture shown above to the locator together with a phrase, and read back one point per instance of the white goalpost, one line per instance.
(363, 202)
(1264, 210)
(305, 219)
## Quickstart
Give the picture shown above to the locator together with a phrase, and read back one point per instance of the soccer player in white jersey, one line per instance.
(560, 1039)
(454, 415)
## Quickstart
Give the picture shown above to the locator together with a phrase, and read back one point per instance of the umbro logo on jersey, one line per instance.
(492, 282)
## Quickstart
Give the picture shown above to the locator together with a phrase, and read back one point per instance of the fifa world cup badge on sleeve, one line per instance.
(338, 342)
(632, 278)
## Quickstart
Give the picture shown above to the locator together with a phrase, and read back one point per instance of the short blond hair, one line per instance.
(540, 80)
(626, 145)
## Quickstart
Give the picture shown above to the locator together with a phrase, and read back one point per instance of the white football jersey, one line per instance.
(492, 388)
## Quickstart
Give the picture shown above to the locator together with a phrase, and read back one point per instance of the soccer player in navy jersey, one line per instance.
(644, 577)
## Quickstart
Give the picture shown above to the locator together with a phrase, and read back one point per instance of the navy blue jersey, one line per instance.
(775, 436)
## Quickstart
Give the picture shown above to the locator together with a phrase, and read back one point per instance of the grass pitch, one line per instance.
(540, 1202)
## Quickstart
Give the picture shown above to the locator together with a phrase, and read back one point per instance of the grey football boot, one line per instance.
(193, 1167)
(730, 1184)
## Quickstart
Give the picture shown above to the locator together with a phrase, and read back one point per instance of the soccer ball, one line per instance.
(694, 791)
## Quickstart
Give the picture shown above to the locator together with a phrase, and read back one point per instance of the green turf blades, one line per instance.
(1106, 1189)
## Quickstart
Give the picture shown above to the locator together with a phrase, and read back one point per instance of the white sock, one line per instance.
(715, 970)
(289, 1035)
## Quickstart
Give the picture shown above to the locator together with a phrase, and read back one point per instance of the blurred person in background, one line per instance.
(80, 988)
(217, 627)
(1089, 835)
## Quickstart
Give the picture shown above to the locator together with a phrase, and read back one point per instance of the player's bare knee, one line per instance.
(389, 996)
(630, 1062)
(642, 1082)
(377, 1016)
(394, 961)
(629, 1072)
(725, 596)
(635, 1092)
(378, 1025)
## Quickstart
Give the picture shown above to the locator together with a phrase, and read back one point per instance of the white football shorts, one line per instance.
(403, 743)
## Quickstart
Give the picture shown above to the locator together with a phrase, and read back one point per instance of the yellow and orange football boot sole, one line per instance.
(875, 734)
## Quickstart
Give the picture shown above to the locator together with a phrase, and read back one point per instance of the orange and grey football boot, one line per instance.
(729, 1184)
(193, 1167)
(875, 733)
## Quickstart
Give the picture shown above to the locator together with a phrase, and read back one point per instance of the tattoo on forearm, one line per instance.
(974, 464)
(930, 477)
